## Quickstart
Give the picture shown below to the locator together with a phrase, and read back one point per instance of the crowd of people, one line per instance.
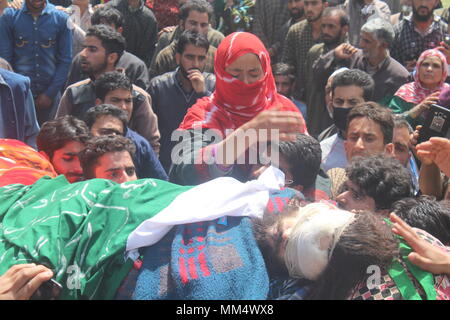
(224, 149)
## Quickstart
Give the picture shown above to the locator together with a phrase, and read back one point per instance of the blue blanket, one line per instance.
(218, 259)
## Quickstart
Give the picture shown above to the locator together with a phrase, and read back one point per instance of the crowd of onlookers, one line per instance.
(356, 91)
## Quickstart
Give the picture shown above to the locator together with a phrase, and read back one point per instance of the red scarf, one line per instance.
(234, 102)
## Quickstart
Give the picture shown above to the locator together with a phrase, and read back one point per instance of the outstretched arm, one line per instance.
(425, 255)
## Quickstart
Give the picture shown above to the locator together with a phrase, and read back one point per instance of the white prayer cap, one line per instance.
(312, 240)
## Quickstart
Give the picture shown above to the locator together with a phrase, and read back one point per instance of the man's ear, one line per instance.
(177, 58)
(120, 30)
(98, 101)
(112, 58)
(389, 149)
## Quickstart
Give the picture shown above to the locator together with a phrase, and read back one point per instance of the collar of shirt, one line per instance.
(374, 69)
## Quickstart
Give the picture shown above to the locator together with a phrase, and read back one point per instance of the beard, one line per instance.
(313, 19)
(297, 14)
(268, 234)
(87, 68)
(269, 244)
(185, 73)
(419, 17)
(331, 40)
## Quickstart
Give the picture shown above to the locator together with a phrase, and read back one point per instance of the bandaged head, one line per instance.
(313, 239)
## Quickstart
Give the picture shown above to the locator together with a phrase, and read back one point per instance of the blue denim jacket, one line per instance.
(40, 49)
(17, 114)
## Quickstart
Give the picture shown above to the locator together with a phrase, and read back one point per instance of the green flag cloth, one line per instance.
(78, 230)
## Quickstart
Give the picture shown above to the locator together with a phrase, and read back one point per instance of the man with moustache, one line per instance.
(334, 30)
(103, 47)
(300, 38)
(377, 35)
(60, 141)
(174, 92)
(196, 16)
(418, 32)
(297, 13)
(37, 43)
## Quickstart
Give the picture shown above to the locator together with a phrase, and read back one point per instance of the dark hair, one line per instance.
(427, 214)
(111, 40)
(97, 147)
(382, 178)
(343, 17)
(201, 6)
(267, 228)
(283, 69)
(304, 156)
(354, 77)
(380, 115)
(105, 110)
(110, 81)
(365, 242)
(55, 134)
(107, 15)
(400, 122)
(194, 38)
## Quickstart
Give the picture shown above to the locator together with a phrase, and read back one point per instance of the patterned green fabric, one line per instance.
(78, 230)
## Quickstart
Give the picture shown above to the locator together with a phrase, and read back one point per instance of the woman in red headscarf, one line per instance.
(245, 102)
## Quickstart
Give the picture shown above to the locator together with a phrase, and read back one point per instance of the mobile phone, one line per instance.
(447, 39)
(436, 123)
(49, 290)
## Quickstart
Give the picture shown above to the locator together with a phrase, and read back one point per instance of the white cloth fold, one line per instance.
(220, 197)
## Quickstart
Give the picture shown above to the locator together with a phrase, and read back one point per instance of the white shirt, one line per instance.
(333, 153)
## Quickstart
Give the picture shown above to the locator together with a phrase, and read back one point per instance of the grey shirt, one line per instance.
(170, 103)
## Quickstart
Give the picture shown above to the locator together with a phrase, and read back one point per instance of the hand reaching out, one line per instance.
(436, 150)
(425, 255)
(22, 280)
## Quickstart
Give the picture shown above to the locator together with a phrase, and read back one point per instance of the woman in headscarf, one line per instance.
(414, 98)
(219, 131)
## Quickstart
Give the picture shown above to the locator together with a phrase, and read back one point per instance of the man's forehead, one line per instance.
(282, 79)
(119, 93)
(331, 19)
(401, 134)
(115, 159)
(190, 49)
(70, 147)
(364, 125)
(198, 16)
(348, 92)
(93, 41)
